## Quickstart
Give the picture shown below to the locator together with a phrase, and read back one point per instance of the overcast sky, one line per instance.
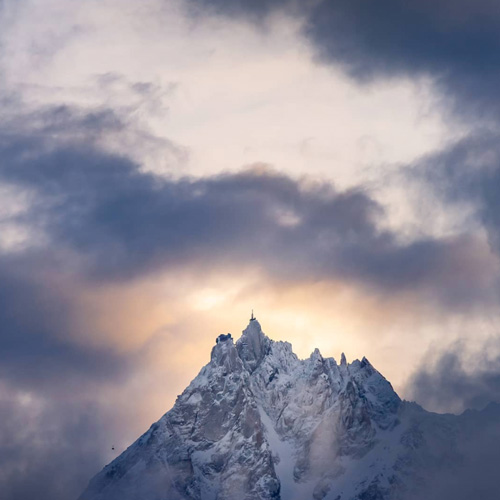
(168, 165)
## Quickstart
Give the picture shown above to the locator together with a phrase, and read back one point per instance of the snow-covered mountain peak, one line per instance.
(253, 345)
(316, 356)
(252, 331)
(258, 423)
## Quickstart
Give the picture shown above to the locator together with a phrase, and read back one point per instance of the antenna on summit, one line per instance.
(253, 317)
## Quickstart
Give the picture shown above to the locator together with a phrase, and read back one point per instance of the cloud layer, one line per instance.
(93, 218)
(100, 323)
(117, 220)
(454, 43)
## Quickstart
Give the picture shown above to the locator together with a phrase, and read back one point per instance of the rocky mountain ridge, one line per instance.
(259, 423)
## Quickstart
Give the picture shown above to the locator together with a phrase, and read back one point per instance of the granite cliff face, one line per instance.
(258, 423)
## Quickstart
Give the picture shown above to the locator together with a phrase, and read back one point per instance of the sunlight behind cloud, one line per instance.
(171, 321)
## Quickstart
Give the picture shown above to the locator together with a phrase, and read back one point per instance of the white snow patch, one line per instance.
(194, 399)
(290, 489)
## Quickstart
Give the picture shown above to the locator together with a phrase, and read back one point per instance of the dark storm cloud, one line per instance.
(453, 381)
(51, 126)
(37, 322)
(54, 430)
(467, 172)
(122, 221)
(38, 310)
(450, 383)
(455, 42)
(49, 448)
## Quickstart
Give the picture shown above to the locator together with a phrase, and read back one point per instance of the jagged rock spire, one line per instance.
(253, 345)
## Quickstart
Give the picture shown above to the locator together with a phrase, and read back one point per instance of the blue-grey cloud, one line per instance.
(105, 219)
(49, 452)
(38, 323)
(451, 383)
(457, 43)
(123, 221)
(467, 172)
(54, 432)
